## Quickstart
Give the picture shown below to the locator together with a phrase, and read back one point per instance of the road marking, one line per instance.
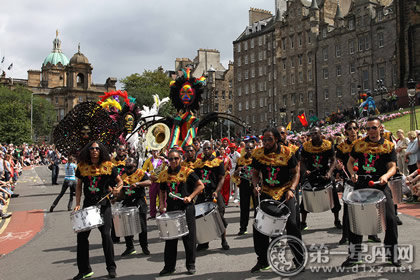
(15, 235)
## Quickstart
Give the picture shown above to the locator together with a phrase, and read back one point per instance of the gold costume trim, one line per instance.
(189, 164)
(367, 147)
(90, 170)
(199, 163)
(277, 193)
(137, 176)
(118, 162)
(309, 147)
(273, 159)
(180, 177)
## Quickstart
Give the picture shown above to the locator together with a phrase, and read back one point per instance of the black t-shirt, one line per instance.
(373, 157)
(96, 181)
(134, 196)
(343, 152)
(180, 182)
(209, 172)
(274, 167)
(317, 158)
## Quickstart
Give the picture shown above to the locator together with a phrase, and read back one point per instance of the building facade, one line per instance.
(63, 82)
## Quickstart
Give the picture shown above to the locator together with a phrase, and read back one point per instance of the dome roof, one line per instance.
(79, 58)
(55, 58)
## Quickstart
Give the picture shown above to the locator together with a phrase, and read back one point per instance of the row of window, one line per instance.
(261, 40)
(298, 40)
(262, 55)
(216, 94)
(262, 86)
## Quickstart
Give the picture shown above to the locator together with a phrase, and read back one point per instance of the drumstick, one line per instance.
(372, 183)
(104, 197)
(344, 169)
(174, 196)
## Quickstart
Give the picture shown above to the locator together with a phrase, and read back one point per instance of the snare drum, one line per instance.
(396, 184)
(172, 225)
(271, 217)
(366, 211)
(317, 199)
(209, 225)
(126, 221)
(86, 219)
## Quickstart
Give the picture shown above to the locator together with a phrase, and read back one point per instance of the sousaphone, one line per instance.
(157, 136)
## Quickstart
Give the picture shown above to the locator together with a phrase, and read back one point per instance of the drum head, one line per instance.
(204, 208)
(315, 187)
(170, 215)
(366, 196)
(274, 208)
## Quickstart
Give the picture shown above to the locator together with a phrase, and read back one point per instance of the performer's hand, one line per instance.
(340, 164)
(215, 195)
(289, 195)
(187, 199)
(354, 178)
(76, 208)
(257, 190)
(383, 180)
(115, 191)
(133, 185)
(307, 172)
(327, 176)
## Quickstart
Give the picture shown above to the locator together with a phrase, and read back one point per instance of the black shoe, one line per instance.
(112, 274)
(83, 275)
(374, 239)
(342, 241)
(338, 225)
(392, 261)
(52, 208)
(56, 184)
(202, 247)
(69, 209)
(225, 245)
(303, 226)
(6, 215)
(14, 195)
(165, 272)
(258, 267)
(349, 262)
(242, 232)
(145, 251)
(399, 222)
(191, 271)
(128, 252)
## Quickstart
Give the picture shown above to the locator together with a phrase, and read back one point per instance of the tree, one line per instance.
(144, 86)
(15, 115)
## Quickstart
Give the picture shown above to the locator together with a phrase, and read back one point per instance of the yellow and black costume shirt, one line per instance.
(373, 157)
(209, 172)
(134, 195)
(275, 169)
(96, 180)
(119, 164)
(317, 157)
(343, 151)
(245, 175)
(189, 164)
(179, 182)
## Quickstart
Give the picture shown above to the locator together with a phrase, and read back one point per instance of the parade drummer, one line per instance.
(182, 182)
(318, 159)
(135, 180)
(211, 171)
(376, 157)
(277, 166)
(243, 178)
(96, 176)
(343, 153)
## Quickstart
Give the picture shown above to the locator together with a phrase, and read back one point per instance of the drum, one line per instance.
(317, 199)
(172, 225)
(366, 211)
(271, 217)
(126, 221)
(396, 185)
(86, 219)
(209, 225)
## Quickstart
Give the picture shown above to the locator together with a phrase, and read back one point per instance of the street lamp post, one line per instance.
(32, 109)
(411, 91)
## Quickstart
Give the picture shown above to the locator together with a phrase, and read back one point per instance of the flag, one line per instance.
(2, 60)
(289, 126)
(10, 66)
(302, 119)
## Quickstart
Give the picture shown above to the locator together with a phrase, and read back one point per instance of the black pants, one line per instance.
(189, 241)
(54, 175)
(391, 232)
(142, 235)
(67, 184)
(261, 241)
(245, 194)
(337, 205)
(107, 245)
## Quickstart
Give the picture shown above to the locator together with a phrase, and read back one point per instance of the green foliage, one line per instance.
(15, 115)
(144, 86)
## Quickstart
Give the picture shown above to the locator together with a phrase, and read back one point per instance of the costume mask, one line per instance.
(187, 94)
(85, 132)
(129, 123)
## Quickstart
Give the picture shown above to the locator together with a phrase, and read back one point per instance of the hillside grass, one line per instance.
(403, 122)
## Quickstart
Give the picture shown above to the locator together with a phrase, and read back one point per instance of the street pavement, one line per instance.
(37, 244)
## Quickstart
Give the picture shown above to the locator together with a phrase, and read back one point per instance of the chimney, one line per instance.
(255, 15)
(281, 7)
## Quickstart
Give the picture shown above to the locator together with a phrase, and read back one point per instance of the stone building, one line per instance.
(322, 50)
(63, 82)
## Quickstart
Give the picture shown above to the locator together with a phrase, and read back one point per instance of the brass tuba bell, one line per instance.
(157, 136)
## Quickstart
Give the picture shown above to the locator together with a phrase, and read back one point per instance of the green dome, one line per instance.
(56, 57)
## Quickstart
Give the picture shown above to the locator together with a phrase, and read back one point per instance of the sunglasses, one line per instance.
(371, 127)
(248, 148)
(94, 148)
(282, 132)
(206, 148)
(351, 128)
(173, 158)
(189, 151)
